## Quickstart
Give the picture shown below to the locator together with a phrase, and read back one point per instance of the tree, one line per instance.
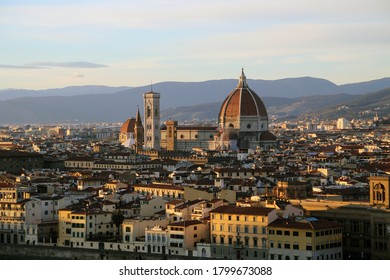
(117, 218)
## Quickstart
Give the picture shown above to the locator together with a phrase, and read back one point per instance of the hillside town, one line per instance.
(248, 187)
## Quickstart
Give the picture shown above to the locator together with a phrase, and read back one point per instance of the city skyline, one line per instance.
(60, 44)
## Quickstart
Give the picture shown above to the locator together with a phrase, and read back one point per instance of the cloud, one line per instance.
(76, 64)
(184, 14)
(45, 65)
(78, 75)
(5, 66)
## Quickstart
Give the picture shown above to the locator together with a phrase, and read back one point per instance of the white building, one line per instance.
(41, 224)
(343, 123)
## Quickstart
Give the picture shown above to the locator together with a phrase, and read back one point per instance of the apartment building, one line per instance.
(304, 239)
(12, 213)
(78, 224)
(41, 224)
(240, 232)
(184, 236)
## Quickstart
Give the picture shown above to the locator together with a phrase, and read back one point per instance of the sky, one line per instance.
(54, 44)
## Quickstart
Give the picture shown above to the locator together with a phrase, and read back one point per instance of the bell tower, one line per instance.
(152, 121)
(139, 132)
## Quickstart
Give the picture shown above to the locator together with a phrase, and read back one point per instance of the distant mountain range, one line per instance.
(180, 100)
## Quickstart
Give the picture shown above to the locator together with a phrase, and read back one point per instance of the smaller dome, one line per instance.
(128, 126)
(267, 136)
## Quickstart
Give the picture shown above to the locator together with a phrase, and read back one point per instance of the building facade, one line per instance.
(304, 239)
(12, 213)
(240, 232)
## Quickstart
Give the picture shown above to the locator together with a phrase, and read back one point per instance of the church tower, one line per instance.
(152, 121)
(139, 132)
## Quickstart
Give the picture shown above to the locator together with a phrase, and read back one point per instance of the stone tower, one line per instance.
(152, 121)
(171, 135)
(139, 132)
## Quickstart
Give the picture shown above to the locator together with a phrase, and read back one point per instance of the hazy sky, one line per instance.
(46, 44)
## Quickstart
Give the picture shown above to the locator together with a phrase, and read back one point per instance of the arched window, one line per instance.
(148, 112)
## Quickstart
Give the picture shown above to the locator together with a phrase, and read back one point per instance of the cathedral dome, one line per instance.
(242, 101)
(128, 126)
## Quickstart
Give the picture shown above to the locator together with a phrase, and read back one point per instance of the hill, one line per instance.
(179, 100)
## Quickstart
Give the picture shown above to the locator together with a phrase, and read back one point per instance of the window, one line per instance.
(286, 245)
(308, 247)
(246, 229)
(308, 233)
(287, 232)
(278, 232)
(237, 218)
(296, 246)
(380, 229)
(382, 246)
(254, 229)
(128, 229)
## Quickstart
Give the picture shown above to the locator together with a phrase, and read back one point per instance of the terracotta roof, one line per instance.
(185, 223)
(256, 211)
(160, 186)
(309, 224)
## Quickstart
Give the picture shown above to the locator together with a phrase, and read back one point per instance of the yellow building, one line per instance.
(240, 232)
(12, 213)
(304, 239)
(75, 226)
(164, 190)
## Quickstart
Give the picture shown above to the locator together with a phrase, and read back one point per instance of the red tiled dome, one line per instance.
(242, 101)
(128, 126)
